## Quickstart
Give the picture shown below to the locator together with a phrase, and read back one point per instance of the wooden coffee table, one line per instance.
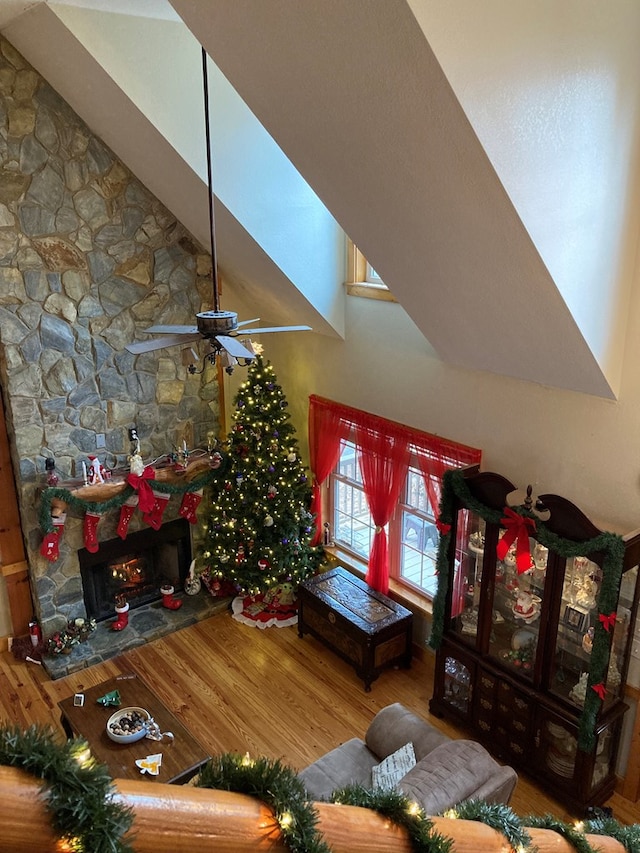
(181, 758)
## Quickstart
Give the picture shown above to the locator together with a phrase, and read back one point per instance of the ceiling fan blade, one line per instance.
(172, 330)
(235, 348)
(277, 329)
(246, 322)
(160, 343)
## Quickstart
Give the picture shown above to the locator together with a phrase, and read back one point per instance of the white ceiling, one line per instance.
(355, 96)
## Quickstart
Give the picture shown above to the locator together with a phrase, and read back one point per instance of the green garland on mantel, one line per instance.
(79, 504)
(80, 798)
(454, 485)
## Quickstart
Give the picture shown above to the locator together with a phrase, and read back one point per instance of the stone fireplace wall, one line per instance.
(88, 258)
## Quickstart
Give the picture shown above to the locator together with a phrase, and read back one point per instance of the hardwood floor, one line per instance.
(266, 692)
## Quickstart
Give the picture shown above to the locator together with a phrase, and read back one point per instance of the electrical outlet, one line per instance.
(133, 434)
(101, 440)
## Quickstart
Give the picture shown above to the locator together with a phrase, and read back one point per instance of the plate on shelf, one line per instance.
(521, 638)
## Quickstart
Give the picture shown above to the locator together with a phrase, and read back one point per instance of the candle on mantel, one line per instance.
(84, 473)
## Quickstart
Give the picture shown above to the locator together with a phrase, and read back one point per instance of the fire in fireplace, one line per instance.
(135, 567)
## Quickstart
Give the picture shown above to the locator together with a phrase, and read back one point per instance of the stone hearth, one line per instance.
(146, 623)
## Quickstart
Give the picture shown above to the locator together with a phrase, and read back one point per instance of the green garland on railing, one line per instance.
(278, 787)
(628, 836)
(78, 791)
(454, 486)
(400, 811)
(72, 500)
(499, 817)
(574, 836)
(79, 796)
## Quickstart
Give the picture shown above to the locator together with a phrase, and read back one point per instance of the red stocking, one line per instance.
(49, 547)
(126, 511)
(90, 530)
(123, 618)
(189, 506)
(168, 599)
(154, 516)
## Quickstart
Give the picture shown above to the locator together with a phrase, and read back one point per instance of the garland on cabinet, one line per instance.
(87, 815)
(454, 487)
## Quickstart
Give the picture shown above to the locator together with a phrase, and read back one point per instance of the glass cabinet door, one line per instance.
(517, 604)
(622, 633)
(467, 577)
(576, 625)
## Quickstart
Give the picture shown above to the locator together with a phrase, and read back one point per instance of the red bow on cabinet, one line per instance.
(600, 690)
(608, 621)
(139, 482)
(516, 531)
(443, 527)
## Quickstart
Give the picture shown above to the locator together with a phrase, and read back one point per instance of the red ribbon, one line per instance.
(146, 499)
(600, 689)
(608, 621)
(443, 527)
(516, 531)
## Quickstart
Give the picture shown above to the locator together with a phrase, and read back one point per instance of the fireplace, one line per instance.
(135, 567)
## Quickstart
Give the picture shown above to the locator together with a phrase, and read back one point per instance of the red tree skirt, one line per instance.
(254, 611)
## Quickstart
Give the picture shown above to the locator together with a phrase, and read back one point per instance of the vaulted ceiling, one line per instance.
(355, 96)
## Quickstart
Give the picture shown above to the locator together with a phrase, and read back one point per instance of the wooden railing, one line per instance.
(181, 819)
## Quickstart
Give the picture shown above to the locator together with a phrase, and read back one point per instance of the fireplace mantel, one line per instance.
(101, 497)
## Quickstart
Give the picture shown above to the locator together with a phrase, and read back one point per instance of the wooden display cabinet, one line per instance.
(516, 661)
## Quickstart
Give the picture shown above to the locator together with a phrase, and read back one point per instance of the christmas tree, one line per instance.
(260, 527)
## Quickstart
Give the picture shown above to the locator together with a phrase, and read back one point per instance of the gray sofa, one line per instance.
(446, 771)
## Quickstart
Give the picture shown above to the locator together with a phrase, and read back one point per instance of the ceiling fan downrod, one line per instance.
(212, 229)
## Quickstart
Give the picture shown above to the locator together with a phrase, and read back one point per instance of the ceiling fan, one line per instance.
(220, 328)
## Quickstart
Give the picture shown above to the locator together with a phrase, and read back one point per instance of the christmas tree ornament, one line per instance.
(291, 457)
(189, 505)
(122, 609)
(90, 531)
(168, 598)
(268, 521)
(126, 512)
(154, 516)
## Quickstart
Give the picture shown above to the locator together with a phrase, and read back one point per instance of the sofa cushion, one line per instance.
(451, 773)
(390, 771)
(348, 764)
(395, 725)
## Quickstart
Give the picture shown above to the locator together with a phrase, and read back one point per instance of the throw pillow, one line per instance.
(389, 772)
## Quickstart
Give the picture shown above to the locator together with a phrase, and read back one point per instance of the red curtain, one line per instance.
(434, 460)
(384, 452)
(327, 427)
(384, 461)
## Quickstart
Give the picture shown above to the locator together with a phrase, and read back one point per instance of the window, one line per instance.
(382, 473)
(413, 535)
(362, 279)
